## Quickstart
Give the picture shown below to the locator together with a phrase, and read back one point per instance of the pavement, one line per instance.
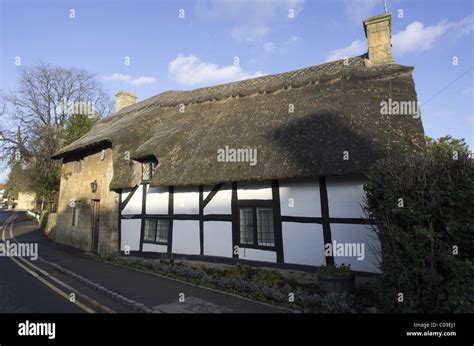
(158, 293)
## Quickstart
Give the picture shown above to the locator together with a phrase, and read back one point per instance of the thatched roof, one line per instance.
(336, 109)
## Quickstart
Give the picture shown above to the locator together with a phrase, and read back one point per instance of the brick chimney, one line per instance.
(124, 99)
(378, 30)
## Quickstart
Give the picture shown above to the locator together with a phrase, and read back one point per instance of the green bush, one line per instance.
(239, 271)
(334, 270)
(423, 207)
(269, 278)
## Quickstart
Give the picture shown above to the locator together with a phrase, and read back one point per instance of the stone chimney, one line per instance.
(124, 99)
(378, 30)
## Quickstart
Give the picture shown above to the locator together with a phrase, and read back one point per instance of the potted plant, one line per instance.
(336, 278)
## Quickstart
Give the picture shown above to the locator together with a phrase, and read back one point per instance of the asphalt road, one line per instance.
(22, 293)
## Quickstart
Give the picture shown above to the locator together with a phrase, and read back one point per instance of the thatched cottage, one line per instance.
(266, 170)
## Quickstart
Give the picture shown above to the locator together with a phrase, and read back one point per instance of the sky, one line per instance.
(148, 47)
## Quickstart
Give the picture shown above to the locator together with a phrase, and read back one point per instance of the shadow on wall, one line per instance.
(79, 234)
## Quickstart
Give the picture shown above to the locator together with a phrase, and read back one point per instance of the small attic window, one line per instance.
(148, 168)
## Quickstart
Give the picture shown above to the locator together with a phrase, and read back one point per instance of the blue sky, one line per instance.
(167, 52)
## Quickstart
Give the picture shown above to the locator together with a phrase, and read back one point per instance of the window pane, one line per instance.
(265, 233)
(246, 225)
(150, 230)
(146, 171)
(162, 227)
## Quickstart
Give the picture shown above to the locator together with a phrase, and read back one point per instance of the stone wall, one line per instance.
(48, 223)
(26, 200)
(76, 190)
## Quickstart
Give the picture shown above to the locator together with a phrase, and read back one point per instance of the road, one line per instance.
(22, 293)
(30, 287)
(36, 286)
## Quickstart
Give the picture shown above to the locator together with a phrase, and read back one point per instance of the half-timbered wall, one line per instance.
(204, 220)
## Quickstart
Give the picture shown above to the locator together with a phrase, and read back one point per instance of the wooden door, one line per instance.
(95, 224)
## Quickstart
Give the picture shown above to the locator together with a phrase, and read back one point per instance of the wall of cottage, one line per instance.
(301, 211)
(75, 191)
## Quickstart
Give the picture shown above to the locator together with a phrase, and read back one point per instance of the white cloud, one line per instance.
(357, 47)
(270, 47)
(249, 33)
(118, 77)
(251, 19)
(464, 26)
(189, 70)
(417, 37)
(124, 78)
(243, 10)
(283, 48)
(142, 80)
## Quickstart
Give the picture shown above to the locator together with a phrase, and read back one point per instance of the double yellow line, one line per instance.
(39, 274)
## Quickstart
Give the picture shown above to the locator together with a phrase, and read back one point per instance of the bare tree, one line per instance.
(34, 116)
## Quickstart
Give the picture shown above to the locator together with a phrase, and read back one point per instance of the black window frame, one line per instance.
(254, 206)
(147, 241)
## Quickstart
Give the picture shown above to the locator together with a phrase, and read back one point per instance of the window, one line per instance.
(75, 214)
(148, 167)
(256, 226)
(246, 226)
(150, 230)
(78, 165)
(156, 231)
(265, 233)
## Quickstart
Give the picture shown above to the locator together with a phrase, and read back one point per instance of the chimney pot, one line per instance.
(378, 30)
(124, 99)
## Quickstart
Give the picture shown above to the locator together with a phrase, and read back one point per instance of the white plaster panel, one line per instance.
(303, 243)
(345, 196)
(125, 193)
(257, 255)
(157, 199)
(186, 200)
(260, 190)
(130, 234)
(186, 237)
(206, 191)
(218, 238)
(154, 248)
(345, 233)
(221, 202)
(300, 198)
(134, 205)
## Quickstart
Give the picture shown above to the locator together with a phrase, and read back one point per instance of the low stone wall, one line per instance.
(48, 223)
